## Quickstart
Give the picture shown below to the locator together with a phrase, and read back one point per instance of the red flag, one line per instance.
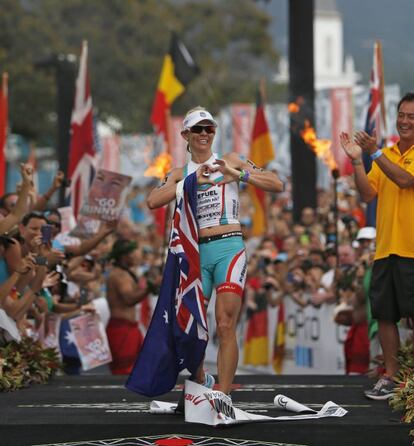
(82, 151)
(177, 71)
(261, 152)
(3, 131)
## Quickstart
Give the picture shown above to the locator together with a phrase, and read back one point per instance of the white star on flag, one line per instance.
(70, 337)
(165, 316)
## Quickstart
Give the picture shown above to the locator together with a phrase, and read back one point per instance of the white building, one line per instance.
(331, 67)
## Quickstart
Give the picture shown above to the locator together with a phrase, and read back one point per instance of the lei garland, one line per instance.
(25, 363)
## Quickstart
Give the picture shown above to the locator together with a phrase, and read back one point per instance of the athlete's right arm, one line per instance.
(165, 193)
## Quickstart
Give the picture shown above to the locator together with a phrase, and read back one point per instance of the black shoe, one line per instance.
(180, 405)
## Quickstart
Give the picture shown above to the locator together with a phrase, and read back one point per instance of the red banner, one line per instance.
(178, 145)
(341, 102)
(242, 123)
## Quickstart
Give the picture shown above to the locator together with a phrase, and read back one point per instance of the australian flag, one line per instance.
(177, 336)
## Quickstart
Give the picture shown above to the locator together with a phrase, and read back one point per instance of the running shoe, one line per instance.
(383, 389)
(209, 382)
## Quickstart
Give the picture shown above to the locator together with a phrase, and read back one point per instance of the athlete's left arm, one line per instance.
(259, 177)
(401, 177)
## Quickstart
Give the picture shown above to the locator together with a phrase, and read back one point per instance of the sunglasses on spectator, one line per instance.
(199, 128)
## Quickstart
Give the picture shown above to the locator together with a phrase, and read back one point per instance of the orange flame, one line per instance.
(321, 147)
(293, 107)
(160, 167)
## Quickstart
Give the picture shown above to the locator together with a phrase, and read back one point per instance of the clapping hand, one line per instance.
(352, 149)
(366, 142)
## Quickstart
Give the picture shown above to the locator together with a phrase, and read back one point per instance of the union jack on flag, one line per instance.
(82, 154)
(177, 336)
(375, 120)
(376, 110)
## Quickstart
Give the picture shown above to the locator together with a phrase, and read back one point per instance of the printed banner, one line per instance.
(106, 196)
(341, 100)
(85, 227)
(314, 343)
(242, 124)
(91, 341)
(68, 220)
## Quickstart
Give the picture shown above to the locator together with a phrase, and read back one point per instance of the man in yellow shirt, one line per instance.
(391, 179)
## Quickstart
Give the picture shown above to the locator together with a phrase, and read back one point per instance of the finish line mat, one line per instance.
(98, 410)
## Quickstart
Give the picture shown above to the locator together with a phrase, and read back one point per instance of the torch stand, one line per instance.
(335, 176)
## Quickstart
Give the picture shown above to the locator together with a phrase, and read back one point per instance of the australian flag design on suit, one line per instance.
(177, 336)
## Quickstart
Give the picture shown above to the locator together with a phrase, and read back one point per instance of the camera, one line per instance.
(41, 260)
(84, 296)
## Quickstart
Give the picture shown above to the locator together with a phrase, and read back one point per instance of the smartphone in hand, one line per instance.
(46, 231)
(84, 296)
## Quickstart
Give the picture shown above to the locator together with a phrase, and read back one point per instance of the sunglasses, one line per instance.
(199, 128)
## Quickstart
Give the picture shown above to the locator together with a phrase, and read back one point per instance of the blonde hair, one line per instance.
(197, 108)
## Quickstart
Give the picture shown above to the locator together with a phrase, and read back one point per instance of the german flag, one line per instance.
(279, 341)
(3, 132)
(261, 152)
(256, 344)
(178, 70)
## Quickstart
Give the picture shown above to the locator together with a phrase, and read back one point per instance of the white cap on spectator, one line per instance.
(197, 116)
(368, 232)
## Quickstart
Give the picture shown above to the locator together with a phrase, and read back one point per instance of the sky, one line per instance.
(364, 21)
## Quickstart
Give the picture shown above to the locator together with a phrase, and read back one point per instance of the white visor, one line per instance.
(197, 116)
(368, 232)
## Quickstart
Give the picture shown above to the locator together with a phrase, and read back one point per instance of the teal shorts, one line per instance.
(223, 265)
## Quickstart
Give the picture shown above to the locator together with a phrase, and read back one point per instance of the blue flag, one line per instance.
(177, 336)
(67, 340)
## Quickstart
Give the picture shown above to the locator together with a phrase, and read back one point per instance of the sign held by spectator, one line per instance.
(106, 196)
(91, 341)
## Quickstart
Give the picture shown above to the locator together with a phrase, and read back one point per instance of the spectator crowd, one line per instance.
(114, 275)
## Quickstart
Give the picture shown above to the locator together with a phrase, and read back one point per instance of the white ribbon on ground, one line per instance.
(212, 407)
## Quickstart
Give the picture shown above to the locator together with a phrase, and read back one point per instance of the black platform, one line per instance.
(87, 410)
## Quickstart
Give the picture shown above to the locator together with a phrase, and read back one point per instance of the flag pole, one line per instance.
(381, 86)
(168, 206)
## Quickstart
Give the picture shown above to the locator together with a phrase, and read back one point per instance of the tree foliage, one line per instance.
(128, 39)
